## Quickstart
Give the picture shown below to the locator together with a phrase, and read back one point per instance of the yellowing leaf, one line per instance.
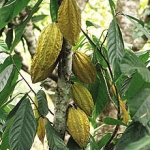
(36, 114)
(41, 129)
(69, 20)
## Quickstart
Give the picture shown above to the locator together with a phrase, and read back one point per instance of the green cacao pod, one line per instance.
(82, 97)
(47, 50)
(83, 67)
(78, 125)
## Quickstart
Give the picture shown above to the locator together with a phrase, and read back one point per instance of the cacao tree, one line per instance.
(90, 73)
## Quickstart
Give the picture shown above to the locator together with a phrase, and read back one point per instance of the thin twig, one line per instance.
(22, 76)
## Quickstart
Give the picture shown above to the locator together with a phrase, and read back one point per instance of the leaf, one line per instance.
(4, 76)
(5, 137)
(42, 103)
(142, 144)
(37, 18)
(23, 129)
(54, 140)
(69, 20)
(54, 10)
(19, 29)
(134, 132)
(104, 140)
(3, 46)
(89, 24)
(138, 24)
(99, 94)
(115, 47)
(72, 145)
(41, 129)
(139, 106)
(11, 9)
(131, 63)
(93, 144)
(12, 81)
(112, 121)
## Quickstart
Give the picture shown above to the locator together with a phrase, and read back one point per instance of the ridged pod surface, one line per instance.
(47, 50)
(69, 20)
(78, 125)
(83, 67)
(82, 97)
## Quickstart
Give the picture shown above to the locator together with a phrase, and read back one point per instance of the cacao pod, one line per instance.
(69, 20)
(47, 50)
(78, 125)
(83, 98)
(83, 67)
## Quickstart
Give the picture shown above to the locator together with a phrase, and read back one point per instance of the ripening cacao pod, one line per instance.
(78, 125)
(83, 67)
(47, 50)
(82, 97)
(69, 20)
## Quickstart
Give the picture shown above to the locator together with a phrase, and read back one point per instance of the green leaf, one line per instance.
(72, 145)
(42, 102)
(54, 10)
(139, 106)
(54, 140)
(38, 18)
(19, 29)
(11, 9)
(99, 94)
(138, 24)
(112, 121)
(12, 81)
(3, 46)
(89, 24)
(23, 129)
(134, 132)
(115, 47)
(142, 144)
(5, 137)
(4, 76)
(93, 144)
(104, 140)
(131, 63)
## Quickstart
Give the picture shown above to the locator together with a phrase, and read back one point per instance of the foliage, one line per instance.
(122, 75)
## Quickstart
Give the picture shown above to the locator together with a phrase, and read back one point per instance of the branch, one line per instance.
(63, 89)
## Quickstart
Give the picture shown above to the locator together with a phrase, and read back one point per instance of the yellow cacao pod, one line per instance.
(78, 125)
(82, 97)
(69, 20)
(83, 67)
(47, 50)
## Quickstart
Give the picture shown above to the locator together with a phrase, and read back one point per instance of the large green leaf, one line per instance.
(23, 129)
(142, 144)
(133, 133)
(5, 137)
(3, 46)
(12, 80)
(72, 145)
(138, 24)
(54, 140)
(104, 140)
(99, 94)
(136, 84)
(131, 63)
(42, 103)
(115, 47)
(139, 106)
(4, 76)
(19, 29)
(10, 10)
(112, 121)
(54, 10)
